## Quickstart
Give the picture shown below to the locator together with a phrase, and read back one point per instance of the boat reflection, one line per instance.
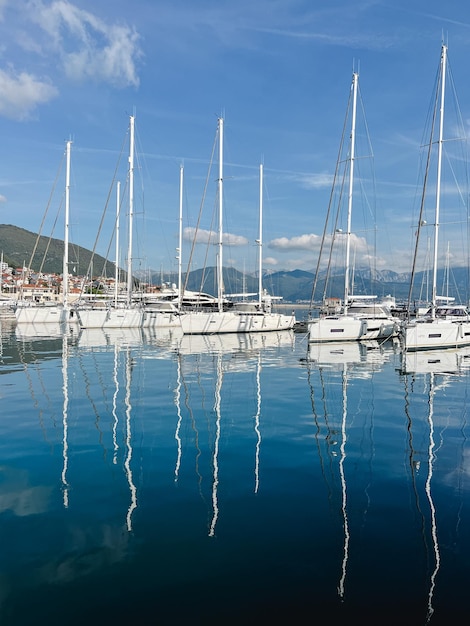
(96, 338)
(363, 357)
(447, 361)
(233, 343)
(332, 366)
(431, 374)
(205, 362)
(53, 330)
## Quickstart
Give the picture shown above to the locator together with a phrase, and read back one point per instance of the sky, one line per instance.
(279, 74)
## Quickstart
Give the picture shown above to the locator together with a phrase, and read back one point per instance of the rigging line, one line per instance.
(113, 232)
(335, 232)
(187, 403)
(206, 184)
(413, 465)
(111, 187)
(330, 431)
(371, 208)
(47, 209)
(30, 384)
(317, 425)
(203, 273)
(50, 238)
(422, 203)
(88, 385)
(330, 205)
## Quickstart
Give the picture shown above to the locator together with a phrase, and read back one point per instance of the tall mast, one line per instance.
(220, 276)
(65, 270)
(131, 209)
(118, 208)
(350, 192)
(438, 182)
(260, 239)
(180, 239)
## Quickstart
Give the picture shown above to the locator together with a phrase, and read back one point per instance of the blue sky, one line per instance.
(278, 71)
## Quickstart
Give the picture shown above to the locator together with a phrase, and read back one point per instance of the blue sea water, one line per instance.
(161, 479)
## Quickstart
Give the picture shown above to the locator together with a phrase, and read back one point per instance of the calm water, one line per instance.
(231, 480)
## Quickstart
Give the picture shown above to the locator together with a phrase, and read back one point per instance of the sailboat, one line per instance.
(445, 325)
(361, 318)
(164, 311)
(56, 313)
(126, 314)
(259, 318)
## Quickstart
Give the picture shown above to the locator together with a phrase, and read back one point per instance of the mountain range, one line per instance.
(18, 244)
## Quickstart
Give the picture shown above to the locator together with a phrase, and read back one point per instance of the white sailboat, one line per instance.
(53, 313)
(164, 312)
(257, 318)
(360, 318)
(118, 314)
(445, 325)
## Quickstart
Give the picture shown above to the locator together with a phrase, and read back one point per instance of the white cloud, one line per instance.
(312, 243)
(301, 242)
(209, 236)
(87, 46)
(20, 94)
(2, 199)
(270, 260)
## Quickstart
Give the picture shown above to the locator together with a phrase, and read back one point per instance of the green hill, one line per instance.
(18, 244)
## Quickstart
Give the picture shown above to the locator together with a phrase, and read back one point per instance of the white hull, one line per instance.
(336, 328)
(380, 328)
(217, 322)
(161, 318)
(44, 314)
(111, 318)
(428, 335)
(351, 328)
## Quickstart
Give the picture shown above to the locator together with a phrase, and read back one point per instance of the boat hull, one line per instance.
(336, 328)
(161, 320)
(44, 314)
(435, 334)
(204, 323)
(380, 329)
(111, 318)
